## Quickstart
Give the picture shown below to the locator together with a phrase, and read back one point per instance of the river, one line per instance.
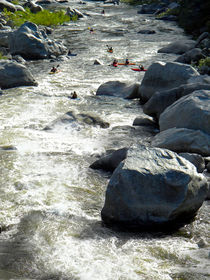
(50, 200)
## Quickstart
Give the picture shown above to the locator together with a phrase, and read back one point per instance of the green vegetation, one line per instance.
(2, 56)
(204, 62)
(174, 12)
(45, 17)
(140, 2)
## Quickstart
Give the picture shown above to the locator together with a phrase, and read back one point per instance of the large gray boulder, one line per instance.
(178, 47)
(4, 33)
(161, 100)
(190, 56)
(153, 189)
(110, 161)
(13, 74)
(191, 111)
(34, 8)
(162, 76)
(32, 43)
(118, 89)
(182, 140)
(196, 160)
(7, 5)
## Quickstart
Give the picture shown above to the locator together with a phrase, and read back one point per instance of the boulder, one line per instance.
(146, 31)
(32, 43)
(34, 8)
(74, 12)
(7, 5)
(190, 56)
(13, 74)
(70, 117)
(168, 17)
(139, 121)
(97, 62)
(153, 189)
(118, 89)
(150, 8)
(178, 47)
(196, 160)
(162, 76)
(4, 33)
(19, 8)
(110, 161)
(202, 37)
(161, 100)
(182, 140)
(191, 111)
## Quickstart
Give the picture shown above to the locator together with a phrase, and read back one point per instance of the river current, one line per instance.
(50, 200)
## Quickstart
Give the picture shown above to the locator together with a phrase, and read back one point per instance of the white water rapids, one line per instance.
(50, 201)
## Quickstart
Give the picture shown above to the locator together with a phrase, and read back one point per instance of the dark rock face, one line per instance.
(32, 43)
(161, 100)
(13, 74)
(182, 140)
(7, 5)
(110, 161)
(178, 47)
(164, 76)
(191, 111)
(195, 159)
(153, 189)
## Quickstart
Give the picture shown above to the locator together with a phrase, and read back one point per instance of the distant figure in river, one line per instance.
(74, 95)
(54, 69)
(127, 61)
(110, 49)
(115, 63)
(69, 52)
(91, 30)
(141, 67)
(103, 12)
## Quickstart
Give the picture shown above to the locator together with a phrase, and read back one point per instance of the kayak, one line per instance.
(56, 72)
(72, 54)
(110, 51)
(139, 70)
(126, 64)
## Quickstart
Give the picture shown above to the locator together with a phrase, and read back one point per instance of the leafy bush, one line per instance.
(2, 56)
(204, 62)
(44, 17)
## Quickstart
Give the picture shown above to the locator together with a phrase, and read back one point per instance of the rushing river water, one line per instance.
(50, 201)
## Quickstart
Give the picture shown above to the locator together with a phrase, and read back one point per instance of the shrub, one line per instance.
(44, 17)
(2, 56)
(204, 62)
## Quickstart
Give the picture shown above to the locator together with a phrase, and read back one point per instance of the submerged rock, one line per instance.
(153, 189)
(118, 89)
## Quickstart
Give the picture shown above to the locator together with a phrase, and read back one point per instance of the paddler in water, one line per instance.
(74, 95)
(115, 63)
(110, 49)
(141, 67)
(127, 61)
(54, 69)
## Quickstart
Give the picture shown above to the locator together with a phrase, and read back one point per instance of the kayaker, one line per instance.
(74, 95)
(53, 70)
(110, 49)
(141, 67)
(91, 30)
(127, 61)
(103, 12)
(115, 63)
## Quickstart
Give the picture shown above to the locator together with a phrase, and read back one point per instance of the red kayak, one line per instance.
(126, 64)
(139, 70)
